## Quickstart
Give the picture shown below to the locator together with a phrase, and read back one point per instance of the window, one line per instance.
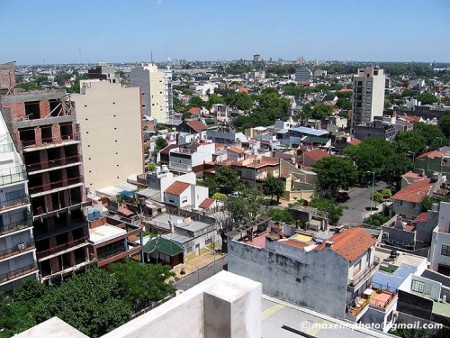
(184, 200)
(418, 286)
(445, 250)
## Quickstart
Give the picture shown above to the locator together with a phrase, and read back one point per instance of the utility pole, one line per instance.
(373, 190)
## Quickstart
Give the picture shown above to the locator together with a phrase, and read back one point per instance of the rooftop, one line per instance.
(163, 245)
(197, 126)
(316, 154)
(104, 233)
(415, 192)
(352, 243)
(432, 154)
(309, 131)
(177, 188)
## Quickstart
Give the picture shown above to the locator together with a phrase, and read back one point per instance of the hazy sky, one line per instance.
(129, 30)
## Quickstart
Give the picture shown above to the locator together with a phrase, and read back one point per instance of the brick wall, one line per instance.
(7, 77)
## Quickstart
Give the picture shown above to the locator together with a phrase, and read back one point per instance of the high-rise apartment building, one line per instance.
(156, 90)
(44, 131)
(303, 75)
(368, 95)
(110, 121)
(17, 250)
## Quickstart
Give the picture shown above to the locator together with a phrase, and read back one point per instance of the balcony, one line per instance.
(16, 226)
(355, 312)
(63, 247)
(382, 299)
(15, 202)
(115, 255)
(17, 273)
(180, 166)
(54, 185)
(50, 140)
(364, 274)
(53, 163)
(16, 249)
(13, 175)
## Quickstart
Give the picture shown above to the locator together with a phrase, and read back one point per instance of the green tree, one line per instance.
(218, 196)
(273, 186)
(281, 215)
(142, 284)
(334, 173)
(444, 123)
(213, 186)
(328, 207)
(428, 98)
(321, 110)
(28, 86)
(196, 101)
(377, 197)
(152, 166)
(227, 179)
(245, 207)
(344, 103)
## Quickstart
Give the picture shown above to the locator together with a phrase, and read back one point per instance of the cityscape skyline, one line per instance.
(324, 30)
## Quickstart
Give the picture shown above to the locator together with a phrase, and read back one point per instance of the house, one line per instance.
(192, 235)
(310, 268)
(195, 112)
(112, 239)
(408, 201)
(191, 157)
(190, 131)
(440, 243)
(185, 195)
(375, 129)
(160, 250)
(235, 154)
(432, 162)
(313, 156)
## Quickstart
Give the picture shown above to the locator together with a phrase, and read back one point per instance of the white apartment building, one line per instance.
(111, 132)
(440, 242)
(17, 249)
(368, 95)
(156, 90)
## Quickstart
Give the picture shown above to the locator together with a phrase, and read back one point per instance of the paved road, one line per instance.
(201, 274)
(359, 204)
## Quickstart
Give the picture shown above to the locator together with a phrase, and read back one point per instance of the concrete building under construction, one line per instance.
(43, 127)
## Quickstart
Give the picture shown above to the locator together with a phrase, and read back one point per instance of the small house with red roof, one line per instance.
(313, 156)
(190, 131)
(408, 201)
(185, 195)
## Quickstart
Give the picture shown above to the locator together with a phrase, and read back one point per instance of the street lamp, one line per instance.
(440, 139)
(373, 189)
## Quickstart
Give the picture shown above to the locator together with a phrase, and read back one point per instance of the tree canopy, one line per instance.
(335, 173)
(273, 187)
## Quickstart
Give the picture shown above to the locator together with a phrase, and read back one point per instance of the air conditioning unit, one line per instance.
(21, 246)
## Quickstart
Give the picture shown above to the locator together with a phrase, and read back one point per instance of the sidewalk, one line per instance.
(196, 263)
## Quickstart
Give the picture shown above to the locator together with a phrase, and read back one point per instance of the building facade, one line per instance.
(368, 95)
(17, 249)
(44, 130)
(303, 75)
(156, 90)
(110, 121)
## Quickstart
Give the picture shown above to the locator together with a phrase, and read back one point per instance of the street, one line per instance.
(201, 274)
(359, 204)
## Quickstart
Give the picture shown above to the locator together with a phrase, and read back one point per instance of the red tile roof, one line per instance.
(197, 126)
(295, 244)
(415, 192)
(412, 119)
(167, 149)
(125, 212)
(352, 243)
(432, 154)
(412, 174)
(177, 188)
(206, 203)
(422, 218)
(316, 154)
(194, 110)
(237, 150)
(355, 142)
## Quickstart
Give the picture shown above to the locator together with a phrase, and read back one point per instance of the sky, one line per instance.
(59, 31)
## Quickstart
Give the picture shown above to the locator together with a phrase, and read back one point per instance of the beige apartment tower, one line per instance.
(368, 95)
(110, 122)
(156, 90)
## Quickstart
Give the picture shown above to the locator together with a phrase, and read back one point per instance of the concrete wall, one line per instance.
(407, 209)
(289, 274)
(111, 133)
(224, 305)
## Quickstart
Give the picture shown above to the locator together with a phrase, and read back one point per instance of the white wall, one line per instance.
(111, 132)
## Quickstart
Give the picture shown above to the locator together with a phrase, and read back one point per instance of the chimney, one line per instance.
(329, 244)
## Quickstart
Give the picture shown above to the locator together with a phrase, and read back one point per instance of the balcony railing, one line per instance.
(62, 247)
(50, 140)
(17, 272)
(58, 184)
(181, 166)
(5, 229)
(361, 305)
(14, 202)
(53, 163)
(354, 281)
(16, 249)
(12, 175)
(44, 209)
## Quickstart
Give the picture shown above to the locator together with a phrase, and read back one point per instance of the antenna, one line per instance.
(151, 56)
(79, 52)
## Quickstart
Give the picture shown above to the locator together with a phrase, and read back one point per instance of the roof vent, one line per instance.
(329, 244)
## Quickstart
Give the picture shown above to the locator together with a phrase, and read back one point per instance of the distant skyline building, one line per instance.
(257, 58)
(103, 72)
(156, 90)
(368, 95)
(110, 122)
(17, 250)
(303, 75)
